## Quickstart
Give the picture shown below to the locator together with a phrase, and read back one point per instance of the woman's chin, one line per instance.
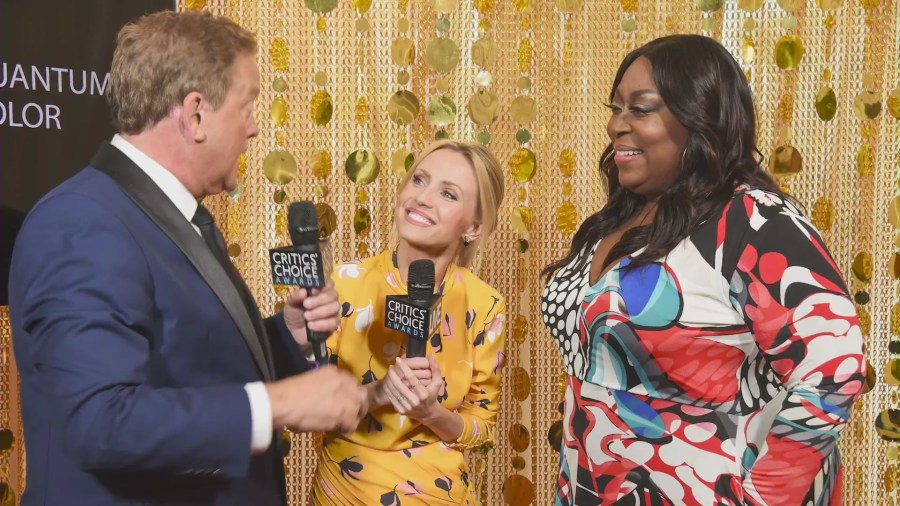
(630, 184)
(424, 246)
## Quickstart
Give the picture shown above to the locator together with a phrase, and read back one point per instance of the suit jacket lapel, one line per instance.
(159, 208)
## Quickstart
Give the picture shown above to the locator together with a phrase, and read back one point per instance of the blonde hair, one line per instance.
(164, 56)
(489, 179)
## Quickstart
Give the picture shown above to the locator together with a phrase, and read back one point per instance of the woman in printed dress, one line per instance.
(712, 351)
(423, 411)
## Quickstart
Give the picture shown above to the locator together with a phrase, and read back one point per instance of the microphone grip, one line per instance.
(320, 352)
(415, 347)
(317, 341)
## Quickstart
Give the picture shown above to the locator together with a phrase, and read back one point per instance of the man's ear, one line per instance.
(193, 108)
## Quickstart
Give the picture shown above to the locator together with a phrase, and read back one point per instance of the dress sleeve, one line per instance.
(795, 303)
(480, 405)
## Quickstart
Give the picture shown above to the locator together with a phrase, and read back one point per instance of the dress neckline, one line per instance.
(446, 283)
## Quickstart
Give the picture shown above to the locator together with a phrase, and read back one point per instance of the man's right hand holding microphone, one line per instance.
(326, 398)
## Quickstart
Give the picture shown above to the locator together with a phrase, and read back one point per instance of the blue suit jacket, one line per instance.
(133, 347)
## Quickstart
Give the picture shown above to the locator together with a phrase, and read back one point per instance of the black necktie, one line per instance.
(216, 243)
(211, 235)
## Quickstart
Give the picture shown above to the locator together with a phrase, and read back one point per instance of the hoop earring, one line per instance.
(682, 157)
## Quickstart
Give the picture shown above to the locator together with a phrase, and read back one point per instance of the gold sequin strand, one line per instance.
(523, 110)
(862, 267)
(786, 160)
(629, 19)
(712, 12)
(826, 98)
(403, 106)
(825, 106)
(483, 109)
(893, 102)
(279, 166)
(483, 106)
(321, 110)
(522, 166)
(442, 56)
(233, 223)
(362, 166)
(567, 213)
(748, 40)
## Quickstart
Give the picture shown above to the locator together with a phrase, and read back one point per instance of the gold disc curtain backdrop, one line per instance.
(352, 88)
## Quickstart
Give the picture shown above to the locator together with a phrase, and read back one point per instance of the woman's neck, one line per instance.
(643, 216)
(406, 254)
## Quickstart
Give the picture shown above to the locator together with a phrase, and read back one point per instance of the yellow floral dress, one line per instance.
(390, 458)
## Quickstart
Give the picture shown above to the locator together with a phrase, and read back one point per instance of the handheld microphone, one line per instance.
(420, 283)
(418, 315)
(302, 264)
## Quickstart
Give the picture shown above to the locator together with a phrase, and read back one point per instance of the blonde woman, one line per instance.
(423, 411)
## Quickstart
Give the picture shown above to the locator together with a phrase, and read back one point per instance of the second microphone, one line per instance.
(418, 315)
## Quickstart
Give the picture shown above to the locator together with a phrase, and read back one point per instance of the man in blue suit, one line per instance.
(147, 373)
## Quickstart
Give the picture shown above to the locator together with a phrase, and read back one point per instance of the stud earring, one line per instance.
(466, 242)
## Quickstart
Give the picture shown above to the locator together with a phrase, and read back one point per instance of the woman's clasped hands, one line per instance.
(413, 384)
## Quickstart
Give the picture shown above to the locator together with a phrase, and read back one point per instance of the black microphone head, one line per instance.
(303, 222)
(420, 280)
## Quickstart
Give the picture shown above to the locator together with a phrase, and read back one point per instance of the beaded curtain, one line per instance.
(352, 88)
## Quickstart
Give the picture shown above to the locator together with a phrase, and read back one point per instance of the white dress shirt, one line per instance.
(260, 405)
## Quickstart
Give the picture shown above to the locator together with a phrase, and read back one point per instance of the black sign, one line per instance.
(54, 69)
(293, 266)
(415, 321)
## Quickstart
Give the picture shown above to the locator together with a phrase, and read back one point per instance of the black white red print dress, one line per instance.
(719, 376)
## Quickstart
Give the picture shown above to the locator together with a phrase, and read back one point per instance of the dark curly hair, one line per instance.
(707, 92)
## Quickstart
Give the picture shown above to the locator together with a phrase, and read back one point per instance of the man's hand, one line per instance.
(321, 311)
(318, 401)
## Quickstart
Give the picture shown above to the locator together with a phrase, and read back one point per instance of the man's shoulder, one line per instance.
(89, 200)
(86, 185)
